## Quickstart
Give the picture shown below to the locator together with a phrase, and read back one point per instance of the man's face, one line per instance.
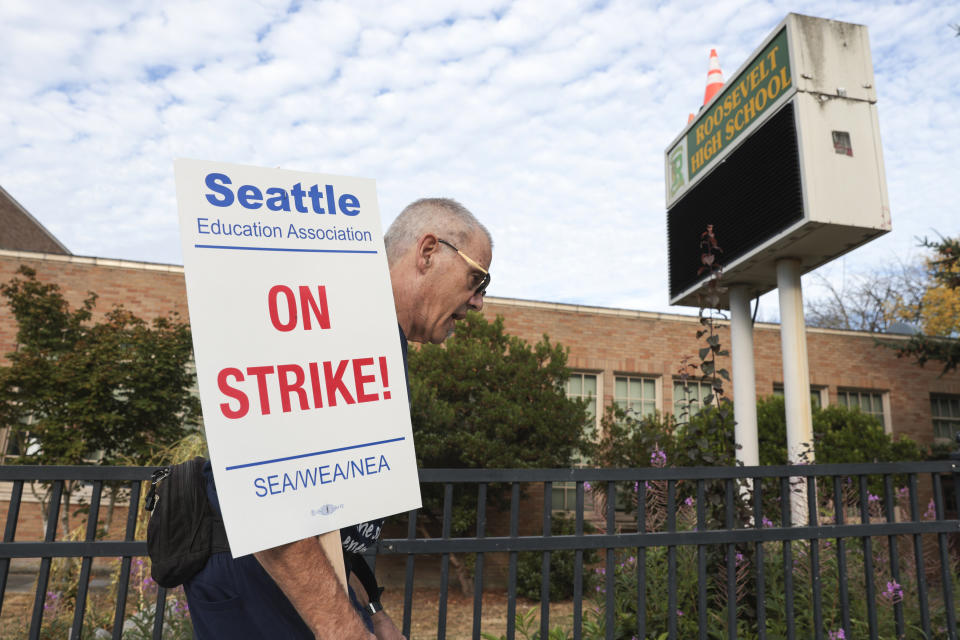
(452, 284)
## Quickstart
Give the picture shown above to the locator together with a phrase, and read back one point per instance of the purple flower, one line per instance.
(688, 502)
(52, 601)
(872, 498)
(931, 512)
(679, 613)
(658, 458)
(836, 635)
(894, 591)
(739, 557)
(587, 486)
(766, 522)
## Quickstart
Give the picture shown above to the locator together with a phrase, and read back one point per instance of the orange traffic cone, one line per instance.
(714, 78)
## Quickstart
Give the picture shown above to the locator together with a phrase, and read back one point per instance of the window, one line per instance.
(565, 497)
(870, 402)
(636, 394)
(693, 393)
(16, 440)
(583, 386)
(816, 394)
(945, 410)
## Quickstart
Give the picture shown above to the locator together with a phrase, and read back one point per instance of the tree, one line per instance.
(486, 399)
(925, 294)
(78, 391)
(841, 435)
(940, 309)
(870, 301)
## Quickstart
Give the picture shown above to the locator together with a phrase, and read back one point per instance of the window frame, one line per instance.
(599, 397)
(823, 397)
(954, 419)
(700, 384)
(657, 391)
(885, 418)
(568, 490)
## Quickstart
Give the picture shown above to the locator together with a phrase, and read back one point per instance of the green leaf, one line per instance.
(118, 386)
(488, 399)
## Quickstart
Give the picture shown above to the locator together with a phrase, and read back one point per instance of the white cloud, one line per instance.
(548, 119)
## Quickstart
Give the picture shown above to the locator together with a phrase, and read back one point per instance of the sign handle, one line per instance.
(330, 543)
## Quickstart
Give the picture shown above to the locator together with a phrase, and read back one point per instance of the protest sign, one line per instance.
(297, 349)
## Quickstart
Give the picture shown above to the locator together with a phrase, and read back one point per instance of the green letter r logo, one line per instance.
(676, 171)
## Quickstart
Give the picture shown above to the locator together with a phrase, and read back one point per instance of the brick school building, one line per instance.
(616, 355)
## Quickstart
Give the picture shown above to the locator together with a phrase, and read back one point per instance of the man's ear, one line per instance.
(426, 248)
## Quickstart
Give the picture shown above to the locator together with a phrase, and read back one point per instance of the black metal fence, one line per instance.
(743, 552)
(128, 478)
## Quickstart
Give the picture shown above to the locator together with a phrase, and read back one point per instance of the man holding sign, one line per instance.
(438, 256)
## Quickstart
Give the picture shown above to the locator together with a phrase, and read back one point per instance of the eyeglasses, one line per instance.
(482, 287)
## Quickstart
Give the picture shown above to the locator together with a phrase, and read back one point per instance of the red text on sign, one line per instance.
(301, 388)
(283, 306)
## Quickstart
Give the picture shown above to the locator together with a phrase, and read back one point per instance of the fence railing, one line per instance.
(821, 551)
(127, 479)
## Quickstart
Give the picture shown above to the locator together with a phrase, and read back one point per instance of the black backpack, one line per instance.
(183, 530)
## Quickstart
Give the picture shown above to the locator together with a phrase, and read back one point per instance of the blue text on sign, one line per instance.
(249, 196)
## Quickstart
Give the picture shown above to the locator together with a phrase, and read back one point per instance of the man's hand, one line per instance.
(383, 626)
(303, 572)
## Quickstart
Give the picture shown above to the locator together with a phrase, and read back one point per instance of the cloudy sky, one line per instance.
(548, 119)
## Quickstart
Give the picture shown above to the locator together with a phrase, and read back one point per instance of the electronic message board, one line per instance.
(786, 161)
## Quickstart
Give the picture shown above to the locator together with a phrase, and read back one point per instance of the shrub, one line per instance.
(562, 565)
(840, 434)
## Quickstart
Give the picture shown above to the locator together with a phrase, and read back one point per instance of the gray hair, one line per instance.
(442, 216)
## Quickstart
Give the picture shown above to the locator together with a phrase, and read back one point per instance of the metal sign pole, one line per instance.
(744, 377)
(796, 380)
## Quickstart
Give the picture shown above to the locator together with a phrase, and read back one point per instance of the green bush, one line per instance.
(629, 440)
(562, 565)
(657, 615)
(840, 434)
